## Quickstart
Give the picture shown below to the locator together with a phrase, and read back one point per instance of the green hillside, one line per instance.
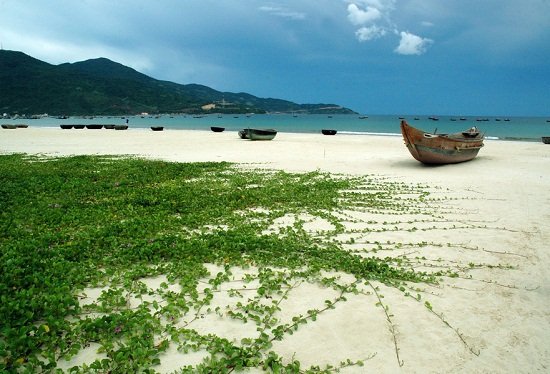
(103, 87)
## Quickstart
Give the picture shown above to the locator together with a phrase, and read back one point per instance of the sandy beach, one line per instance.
(495, 321)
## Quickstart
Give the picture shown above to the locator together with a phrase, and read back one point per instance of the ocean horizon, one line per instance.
(493, 127)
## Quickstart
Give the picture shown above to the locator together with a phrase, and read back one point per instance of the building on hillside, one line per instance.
(208, 107)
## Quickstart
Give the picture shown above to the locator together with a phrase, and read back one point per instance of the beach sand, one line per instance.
(496, 322)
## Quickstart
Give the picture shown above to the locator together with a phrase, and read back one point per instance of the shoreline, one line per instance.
(517, 128)
(504, 205)
(342, 132)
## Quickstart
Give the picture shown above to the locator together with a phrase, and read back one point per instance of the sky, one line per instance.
(431, 57)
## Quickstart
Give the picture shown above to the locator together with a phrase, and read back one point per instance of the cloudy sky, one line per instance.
(459, 57)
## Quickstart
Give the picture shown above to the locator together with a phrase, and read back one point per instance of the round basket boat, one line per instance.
(94, 127)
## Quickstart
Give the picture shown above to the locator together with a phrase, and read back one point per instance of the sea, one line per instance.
(503, 128)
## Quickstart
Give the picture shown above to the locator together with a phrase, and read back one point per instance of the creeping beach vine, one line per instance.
(221, 264)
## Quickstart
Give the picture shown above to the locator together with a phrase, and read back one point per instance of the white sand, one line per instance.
(503, 315)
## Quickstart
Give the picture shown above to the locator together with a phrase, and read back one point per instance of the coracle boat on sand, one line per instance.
(328, 132)
(257, 134)
(217, 128)
(546, 139)
(94, 126)
(431, 148)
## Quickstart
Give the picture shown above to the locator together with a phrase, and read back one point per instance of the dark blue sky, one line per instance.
(459, 57)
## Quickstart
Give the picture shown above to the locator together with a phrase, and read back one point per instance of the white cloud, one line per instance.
(368, 33)
(359, 16)
(411, 44)
(283, 12)
(382, 5)
(372, 17)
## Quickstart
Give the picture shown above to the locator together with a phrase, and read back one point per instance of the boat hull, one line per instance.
(546, 139)
(441, 149)
(258, 134)
(243, 134)
(94, 127)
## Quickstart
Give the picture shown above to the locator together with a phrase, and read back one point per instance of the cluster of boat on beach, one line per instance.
(426, 147)
(15, 126)
(94, 126)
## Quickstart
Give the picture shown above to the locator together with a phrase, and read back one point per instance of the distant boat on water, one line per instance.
(431, 148)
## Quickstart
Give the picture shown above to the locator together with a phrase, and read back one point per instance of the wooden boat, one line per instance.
(78, 127)
(328, 132)
(157, 128)
(431, 148)
(258, 134)
(546, 139)
(10, 127)
(94, 126)
(66, 127)
(217, 129)
(109, 126)
(121, 127)
(21, 125)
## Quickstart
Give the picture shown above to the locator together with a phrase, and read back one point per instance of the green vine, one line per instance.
(86, 238)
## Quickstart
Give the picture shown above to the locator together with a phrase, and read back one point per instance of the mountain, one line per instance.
(103, 87)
